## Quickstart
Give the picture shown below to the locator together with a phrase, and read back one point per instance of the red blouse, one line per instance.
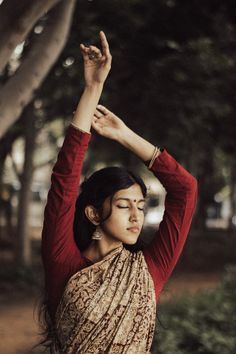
(61, 256)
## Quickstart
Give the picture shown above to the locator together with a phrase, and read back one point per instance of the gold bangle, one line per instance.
(156, 151)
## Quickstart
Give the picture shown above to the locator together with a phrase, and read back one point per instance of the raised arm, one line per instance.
(61, 257)
(57, 240)
(163, 252)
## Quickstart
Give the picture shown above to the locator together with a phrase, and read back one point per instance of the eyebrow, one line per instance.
(141, 200)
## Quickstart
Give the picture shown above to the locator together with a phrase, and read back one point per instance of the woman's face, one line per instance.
(127, 217)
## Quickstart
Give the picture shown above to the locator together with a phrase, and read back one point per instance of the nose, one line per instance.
(134, 213)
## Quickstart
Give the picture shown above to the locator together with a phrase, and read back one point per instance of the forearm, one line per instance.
(138, 145)
(86, 107)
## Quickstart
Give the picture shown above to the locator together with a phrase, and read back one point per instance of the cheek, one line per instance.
(118, 218)
(142, 219)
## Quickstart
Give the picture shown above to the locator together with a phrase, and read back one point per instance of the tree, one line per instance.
(20, 87)
(41, 28)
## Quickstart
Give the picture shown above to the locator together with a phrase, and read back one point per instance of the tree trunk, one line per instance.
(232, 196)
(19, 89)
(23, 242)
(16, 21)
(6, 144)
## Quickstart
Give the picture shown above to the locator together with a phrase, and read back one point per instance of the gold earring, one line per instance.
(97, 235)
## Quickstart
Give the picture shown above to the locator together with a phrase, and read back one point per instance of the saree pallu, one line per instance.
(108, 307)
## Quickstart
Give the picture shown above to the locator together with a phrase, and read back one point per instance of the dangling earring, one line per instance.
(97, 235)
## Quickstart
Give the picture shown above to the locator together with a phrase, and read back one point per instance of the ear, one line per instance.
(92, 214)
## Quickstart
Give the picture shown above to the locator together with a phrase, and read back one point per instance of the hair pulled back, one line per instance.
(100, 185)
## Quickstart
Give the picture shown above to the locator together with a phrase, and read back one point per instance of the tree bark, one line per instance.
(23, 241)
(16, 21)
(6, 208)
(232, 196)
(19, 89)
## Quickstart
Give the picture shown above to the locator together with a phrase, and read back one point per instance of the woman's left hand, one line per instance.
(107, 124)
(97, 64)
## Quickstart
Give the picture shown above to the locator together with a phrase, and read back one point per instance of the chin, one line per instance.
(130, 242)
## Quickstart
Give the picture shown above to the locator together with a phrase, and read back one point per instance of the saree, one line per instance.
(108, 307)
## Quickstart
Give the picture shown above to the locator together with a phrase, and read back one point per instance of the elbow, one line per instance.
(191, 185)
(194, 183)
(193, 192)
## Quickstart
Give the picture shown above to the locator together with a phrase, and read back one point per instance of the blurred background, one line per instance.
(172, 81)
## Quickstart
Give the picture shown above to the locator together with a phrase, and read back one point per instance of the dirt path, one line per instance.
(18, 327)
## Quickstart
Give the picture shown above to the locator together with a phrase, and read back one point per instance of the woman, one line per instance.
(102, 297)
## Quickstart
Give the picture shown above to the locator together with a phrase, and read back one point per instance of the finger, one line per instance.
(104, 44)
(95, 125)
(103, 109)
(84, 50)
(98, 114)
(95, 50)
(94, 53)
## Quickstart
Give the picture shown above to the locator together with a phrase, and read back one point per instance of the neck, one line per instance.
(98, 249)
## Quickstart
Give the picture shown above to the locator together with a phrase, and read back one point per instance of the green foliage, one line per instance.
(172, 81)
(203, 323)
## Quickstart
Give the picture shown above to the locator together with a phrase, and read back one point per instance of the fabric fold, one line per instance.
(108, 307)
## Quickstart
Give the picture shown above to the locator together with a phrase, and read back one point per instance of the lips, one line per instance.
(133, 229)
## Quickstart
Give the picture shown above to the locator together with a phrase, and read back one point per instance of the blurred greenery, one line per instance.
(172, 81)
(201, 323)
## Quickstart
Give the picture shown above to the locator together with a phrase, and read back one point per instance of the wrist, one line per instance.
(125, 135)
(138, 145)
(95, 86)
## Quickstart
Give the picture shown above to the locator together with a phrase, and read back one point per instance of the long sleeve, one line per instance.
(61, 256)
(163, 252)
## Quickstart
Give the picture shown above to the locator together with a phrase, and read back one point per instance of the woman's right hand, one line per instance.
(97, 64)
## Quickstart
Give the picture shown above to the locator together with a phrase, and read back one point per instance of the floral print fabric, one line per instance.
(108, 307)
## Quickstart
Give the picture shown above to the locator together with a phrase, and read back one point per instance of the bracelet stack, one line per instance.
(156, 151)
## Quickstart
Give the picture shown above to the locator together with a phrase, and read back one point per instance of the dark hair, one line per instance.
(100, 185)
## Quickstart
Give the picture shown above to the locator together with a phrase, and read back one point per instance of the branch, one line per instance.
(16, 21)
(19, 89)
(15, 168)
(45, 163)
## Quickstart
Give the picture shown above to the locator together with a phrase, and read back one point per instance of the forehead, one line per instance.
(133, 192)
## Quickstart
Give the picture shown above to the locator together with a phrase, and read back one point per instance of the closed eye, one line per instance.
(125, 207)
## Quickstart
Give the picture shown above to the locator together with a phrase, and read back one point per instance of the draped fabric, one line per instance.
(108, 307)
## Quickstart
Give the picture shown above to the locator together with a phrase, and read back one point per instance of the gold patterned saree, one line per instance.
(108, 307)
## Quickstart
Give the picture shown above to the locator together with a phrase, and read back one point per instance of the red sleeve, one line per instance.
(164, 250)
(61, 256)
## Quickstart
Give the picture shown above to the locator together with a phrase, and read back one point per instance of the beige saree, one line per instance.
(108, 307)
